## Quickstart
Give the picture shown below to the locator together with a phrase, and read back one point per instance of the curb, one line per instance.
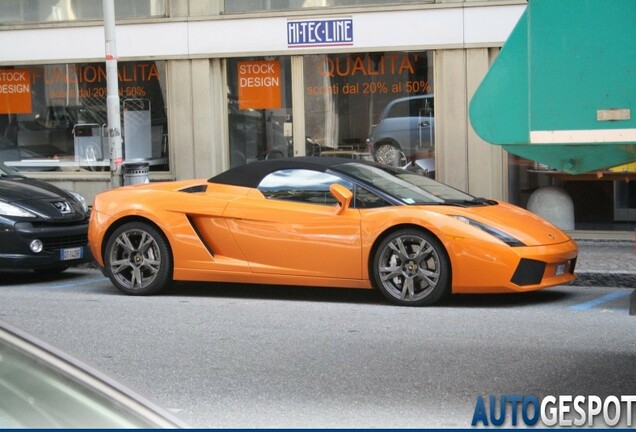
(618, 279)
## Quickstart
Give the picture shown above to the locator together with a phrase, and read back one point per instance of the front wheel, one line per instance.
(138, 260)
(411, 268)
(389, 154)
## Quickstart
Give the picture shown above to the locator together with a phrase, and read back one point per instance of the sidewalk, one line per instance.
(606, 258)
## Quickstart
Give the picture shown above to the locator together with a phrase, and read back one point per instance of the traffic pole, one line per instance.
(112, 98)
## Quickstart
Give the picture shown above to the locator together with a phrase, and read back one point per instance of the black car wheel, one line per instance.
(138, 260)
(410, 267)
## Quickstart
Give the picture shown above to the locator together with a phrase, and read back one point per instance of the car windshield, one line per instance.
(407, 187)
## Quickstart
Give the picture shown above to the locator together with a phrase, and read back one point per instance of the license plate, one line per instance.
(71, 253)
(560, 269)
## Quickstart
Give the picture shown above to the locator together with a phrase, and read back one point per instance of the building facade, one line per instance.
(209, 84)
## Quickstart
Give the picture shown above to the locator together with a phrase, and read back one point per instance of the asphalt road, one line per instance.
(243, 356)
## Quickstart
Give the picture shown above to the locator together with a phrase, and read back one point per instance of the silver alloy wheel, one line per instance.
(135, 259)
(409, 267)
(389, 154)
(385, 153)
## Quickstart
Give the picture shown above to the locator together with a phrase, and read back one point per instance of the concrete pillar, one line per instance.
(554, 205)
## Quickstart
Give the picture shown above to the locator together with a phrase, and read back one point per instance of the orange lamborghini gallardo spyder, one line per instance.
(329, 222)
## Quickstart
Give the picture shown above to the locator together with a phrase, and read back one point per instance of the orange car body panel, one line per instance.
(235, 234)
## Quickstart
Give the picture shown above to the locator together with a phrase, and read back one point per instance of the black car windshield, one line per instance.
(407, 187)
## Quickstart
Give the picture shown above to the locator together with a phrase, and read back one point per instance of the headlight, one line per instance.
(7, 209)
(80, 199)
(506, 238)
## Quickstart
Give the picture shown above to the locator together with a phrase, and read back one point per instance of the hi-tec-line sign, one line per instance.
(320, 32)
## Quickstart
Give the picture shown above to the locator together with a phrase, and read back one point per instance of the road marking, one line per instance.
(600, 300)
(78, 282)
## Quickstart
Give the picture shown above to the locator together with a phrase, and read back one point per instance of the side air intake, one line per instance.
(195, 189)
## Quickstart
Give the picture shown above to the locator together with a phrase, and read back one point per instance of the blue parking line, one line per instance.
(78, 282)
(603, 299)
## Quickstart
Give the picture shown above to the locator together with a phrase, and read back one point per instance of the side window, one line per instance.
(365, 199)
(422, 107)
(306, 186)
(399, 109)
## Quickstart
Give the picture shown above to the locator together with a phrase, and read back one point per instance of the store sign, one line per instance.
(319, 33)
(259, 84)
(15, 91)
(88, 81)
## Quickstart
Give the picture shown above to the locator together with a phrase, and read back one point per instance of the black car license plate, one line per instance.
(71, 253)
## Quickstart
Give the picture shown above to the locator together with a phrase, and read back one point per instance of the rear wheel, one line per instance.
(411, 268)
(138, 260)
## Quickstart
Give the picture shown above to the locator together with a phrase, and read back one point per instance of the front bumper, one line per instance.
(65, 245)
(534, 272)
(511, 269)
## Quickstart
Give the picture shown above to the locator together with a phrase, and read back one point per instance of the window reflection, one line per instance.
(612, 208)
(372, 106)
(272, 5)
(53, 117)
(405, 186)
(259, 109)
(40, 11)
(311, 187)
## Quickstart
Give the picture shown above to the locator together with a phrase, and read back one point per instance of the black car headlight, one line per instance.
(500, 235)
(80, 199)
(7, 209)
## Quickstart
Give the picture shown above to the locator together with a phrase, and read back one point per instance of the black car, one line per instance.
(42, 227)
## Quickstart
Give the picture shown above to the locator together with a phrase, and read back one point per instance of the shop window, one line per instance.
(625, 200)
(41, 11)
(603, 200)
(53, 117)
(373, 106)
(259, 109)
(274, 5)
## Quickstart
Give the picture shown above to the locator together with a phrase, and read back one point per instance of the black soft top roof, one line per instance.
(250, 175)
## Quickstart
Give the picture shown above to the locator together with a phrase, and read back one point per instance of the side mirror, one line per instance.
(342, 195)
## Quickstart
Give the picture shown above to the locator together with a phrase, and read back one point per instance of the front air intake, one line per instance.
(529, 272)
